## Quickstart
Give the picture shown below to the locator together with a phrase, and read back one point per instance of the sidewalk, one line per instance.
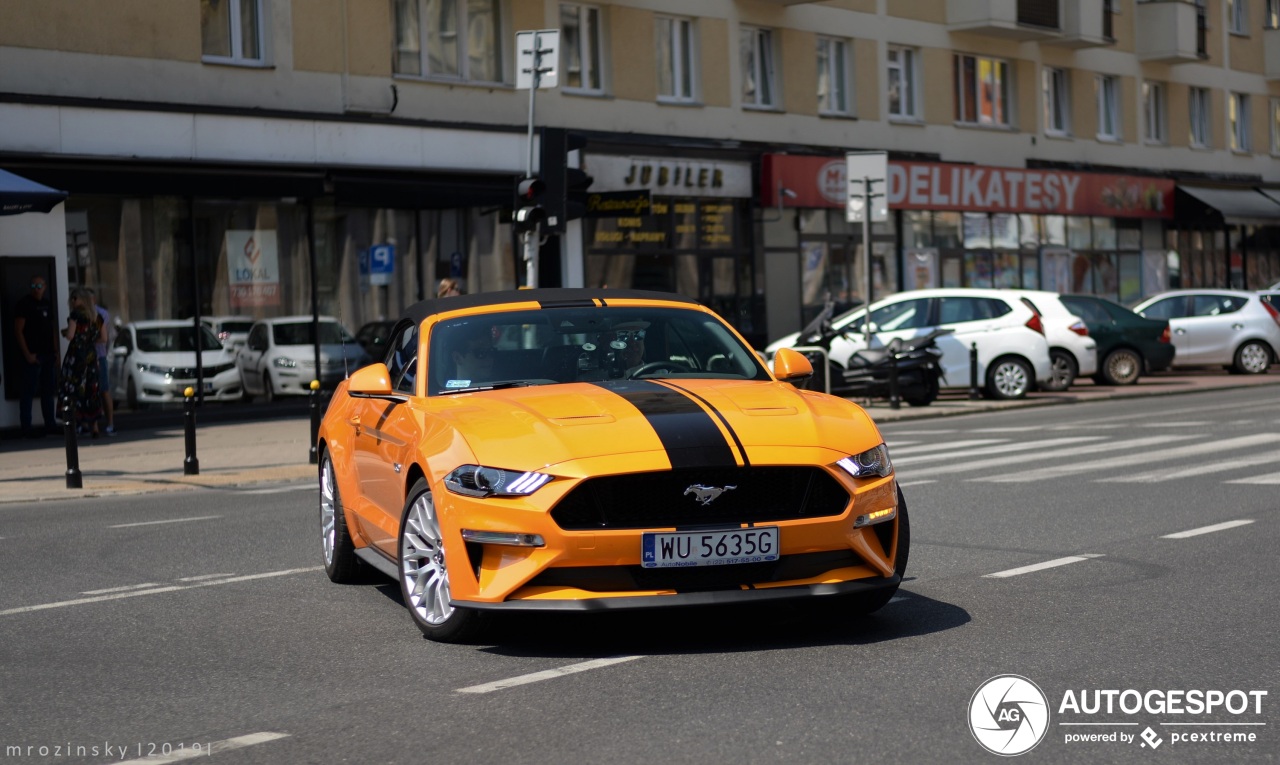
(149, 454)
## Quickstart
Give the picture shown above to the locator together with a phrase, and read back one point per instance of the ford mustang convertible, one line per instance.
(577, 449)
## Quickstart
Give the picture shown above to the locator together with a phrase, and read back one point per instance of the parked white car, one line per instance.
(278, 358)
(1013, 354)
(233, 331)
(1236, 329)
(1071, 351)
(153, 362)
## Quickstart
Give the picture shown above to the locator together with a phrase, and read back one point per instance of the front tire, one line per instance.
(1009, 378)
(1252, 358)
(1121, 367)
(268, 390)
(340, 561)
(1063, 370)
(424, 573)
(865, 604)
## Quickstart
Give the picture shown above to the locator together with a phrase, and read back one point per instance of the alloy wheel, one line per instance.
(328, 506)
(1253, 359)
(1010, 380)
(422, 566)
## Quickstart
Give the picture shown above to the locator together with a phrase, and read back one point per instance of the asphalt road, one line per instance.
(203, 619)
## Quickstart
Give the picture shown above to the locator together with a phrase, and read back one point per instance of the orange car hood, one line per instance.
(692, 422)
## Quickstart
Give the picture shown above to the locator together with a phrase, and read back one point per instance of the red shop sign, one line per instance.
(820, 182)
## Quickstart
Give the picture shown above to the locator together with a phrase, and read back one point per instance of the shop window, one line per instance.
(1079, 235)
(917, 228)
(449, 39)
(981, 90)
(1054, 228)
(1029, 231)
(231, 31)
(903, 89)
(675, 59)
(580, 47)
(977, 230)
(759, 77)
(834, 96)
(1004, 231)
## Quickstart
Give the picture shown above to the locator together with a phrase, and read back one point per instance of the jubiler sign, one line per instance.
(820, 182)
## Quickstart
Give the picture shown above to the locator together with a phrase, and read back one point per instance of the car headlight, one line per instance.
(284, 363)
(154, 369)
(871, 463)
(480, 481)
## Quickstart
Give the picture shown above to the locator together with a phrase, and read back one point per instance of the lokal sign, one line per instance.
(820, 182)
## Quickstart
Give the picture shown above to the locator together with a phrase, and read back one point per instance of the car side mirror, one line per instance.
(373, 380)
(791, 366)
(120, 351)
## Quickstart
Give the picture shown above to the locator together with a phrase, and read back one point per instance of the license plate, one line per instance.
(678, 549)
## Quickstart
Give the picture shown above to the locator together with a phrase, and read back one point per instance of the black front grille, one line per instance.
(666, 499)
(695, 579)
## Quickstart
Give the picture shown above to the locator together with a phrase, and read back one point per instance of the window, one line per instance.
(231, 30)
(1238, 17)
(833, 76)
(402, 359)
(675, 59)
(981, 90)
(1272, 21)
(1238, 116)
(1057, 100)
(1108, 91)
(580, 46)
(453, 39)
(759, 85)
(1199, 106)
(902, 83)
(1154, 121)
(1275, 126)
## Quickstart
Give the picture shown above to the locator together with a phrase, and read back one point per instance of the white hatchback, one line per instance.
(1072, 352)
(1013, 354)
(154, 362)
(1236, 329)
(279, 356)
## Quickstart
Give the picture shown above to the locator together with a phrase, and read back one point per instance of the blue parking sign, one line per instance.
(382, 263)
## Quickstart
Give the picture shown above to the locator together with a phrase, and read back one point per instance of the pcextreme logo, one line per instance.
(1009, 715)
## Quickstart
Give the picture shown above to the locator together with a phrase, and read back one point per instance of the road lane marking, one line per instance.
(156, 591)
(1266, 479)
(1194, 471)
(227, 744)
(1207, 529)
(171, 520)
(1042, 566)
(549, 674)
(282, 489)
(917, 483)
(1020, 446)
(1190, 450)
(202, 577)
(948, 445)
(125, 588)
(1176, 424)
(1036, 456)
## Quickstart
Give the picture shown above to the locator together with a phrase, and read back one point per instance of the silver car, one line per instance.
(1233, 328)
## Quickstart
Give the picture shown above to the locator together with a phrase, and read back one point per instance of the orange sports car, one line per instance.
(580, 449)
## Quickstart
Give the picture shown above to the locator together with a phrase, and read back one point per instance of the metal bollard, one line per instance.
(191, 465)
(74, 478)
(315, 419)
(895, 399)
(973, 372)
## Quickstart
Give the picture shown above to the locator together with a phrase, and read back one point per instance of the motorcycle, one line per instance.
(870, 372)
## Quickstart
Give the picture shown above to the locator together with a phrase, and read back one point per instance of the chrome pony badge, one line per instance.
(706, 494)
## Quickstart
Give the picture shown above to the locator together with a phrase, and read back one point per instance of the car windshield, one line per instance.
(589, 344)
(170, 339)
(299, 333)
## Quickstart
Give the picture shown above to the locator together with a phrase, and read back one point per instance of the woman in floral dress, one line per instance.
(80, 365)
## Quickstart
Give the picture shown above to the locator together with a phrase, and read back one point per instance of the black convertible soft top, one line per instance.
(548, 298)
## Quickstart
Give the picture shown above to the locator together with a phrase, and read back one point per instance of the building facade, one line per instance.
(246, 157)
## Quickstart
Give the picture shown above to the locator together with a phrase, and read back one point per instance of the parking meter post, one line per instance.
(315, 420)
(973, 372)
(191, 465)
(895, 400)
(74, 478)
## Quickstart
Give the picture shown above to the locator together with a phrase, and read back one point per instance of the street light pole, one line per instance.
(866, 256)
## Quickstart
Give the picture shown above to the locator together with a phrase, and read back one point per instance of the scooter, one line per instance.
(909, 369)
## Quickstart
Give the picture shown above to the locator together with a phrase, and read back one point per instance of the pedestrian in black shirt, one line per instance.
(36, 331)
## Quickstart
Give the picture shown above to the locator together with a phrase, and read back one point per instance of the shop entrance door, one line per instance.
(15, 280)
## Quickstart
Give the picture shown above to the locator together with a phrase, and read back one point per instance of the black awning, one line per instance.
(1237, 206)
(19, 195)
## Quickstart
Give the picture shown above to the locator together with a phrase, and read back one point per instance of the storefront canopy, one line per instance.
(1238, 206)
(19, 195)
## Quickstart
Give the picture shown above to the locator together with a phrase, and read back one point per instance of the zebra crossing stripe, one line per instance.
(1267, 479)
(1031, 452)
(895, 450)
(1191, 450)
(1192, 471)
(1207, 529)
(1001, 449)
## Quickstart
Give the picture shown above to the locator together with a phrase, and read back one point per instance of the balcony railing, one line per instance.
(1038, 13)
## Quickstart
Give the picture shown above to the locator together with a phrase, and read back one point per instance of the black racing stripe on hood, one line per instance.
(688, 433)
(746, 462)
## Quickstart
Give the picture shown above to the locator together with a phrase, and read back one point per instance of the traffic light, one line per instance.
(529, 212)
(566, 186)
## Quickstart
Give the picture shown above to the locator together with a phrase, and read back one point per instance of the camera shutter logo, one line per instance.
(1009, 715)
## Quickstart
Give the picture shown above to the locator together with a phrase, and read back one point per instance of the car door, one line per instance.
(901, 319)
(385, 437)
(118, 363)
(249, 357)
(971, 318)
(1174, 309)
(1213, 326)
